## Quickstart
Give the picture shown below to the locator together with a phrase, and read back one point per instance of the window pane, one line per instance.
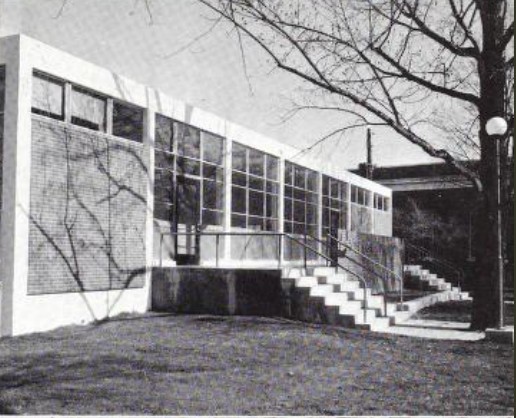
(272, 187)
(311, 180)
(299, 177)
(47, 96)
(311, 214)
(212, 148)
(271, 225)
(255, 223)
(239, 178)
(238, 200)
(187, 166)
(164, 160)
(287, 211)
(238, 221)
(212, 172)
(325, 185)
(188, 140)
(255, 203)
(272, 167)
(255, 183)
(211, 217)
(289, 171)
(188, 198)
(299, 211)
(288, 227)
(299, 194)
(88, 110)
(164, 133)
(239, 157)
(256, 162)
(271, 210)
(334, 189)
(127, 122)
(212, 195)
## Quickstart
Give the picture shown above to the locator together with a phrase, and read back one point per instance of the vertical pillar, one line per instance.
(348, 220)
(149, 122)
(319, 211)
(281, 207)
(14, 240)
(228, 166)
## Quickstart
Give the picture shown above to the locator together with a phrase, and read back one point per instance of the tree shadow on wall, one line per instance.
(88, 213)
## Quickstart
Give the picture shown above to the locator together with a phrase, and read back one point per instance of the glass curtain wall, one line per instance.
(255, 189)
(334, 205)
(189, 174)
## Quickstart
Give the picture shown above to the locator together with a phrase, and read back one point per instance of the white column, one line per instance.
(348, 220)
(14, 240)
(281, 205)
(228, 166)
(149, 123)
(319, 211)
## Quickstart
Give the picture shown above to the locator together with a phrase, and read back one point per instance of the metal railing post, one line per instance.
(280, 245)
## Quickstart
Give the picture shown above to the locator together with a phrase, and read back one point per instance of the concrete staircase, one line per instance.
(325, 295)
(416, 277)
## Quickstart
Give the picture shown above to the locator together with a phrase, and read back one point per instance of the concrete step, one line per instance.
(321, 290)
(324, 271)
(378, 324)
(293, 272)
(306, 281)
(349, 286)
(351, 307)
(358, 294)
(336, 299)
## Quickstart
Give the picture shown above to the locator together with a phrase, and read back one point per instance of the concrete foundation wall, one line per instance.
(217, 291)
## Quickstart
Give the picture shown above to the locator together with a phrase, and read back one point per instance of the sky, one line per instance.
(176, 50)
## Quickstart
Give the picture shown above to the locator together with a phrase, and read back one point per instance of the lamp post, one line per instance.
(496, 128)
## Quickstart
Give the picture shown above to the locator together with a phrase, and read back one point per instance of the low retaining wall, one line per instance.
(218, 291)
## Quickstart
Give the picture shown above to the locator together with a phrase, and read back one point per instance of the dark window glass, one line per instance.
(289, 170)
(238, 200)
(271, 210)
(299, 177)
(325, 185)
(311, 180)
(255, 183)
(164, 161)
(238, 221)
(255, 223)
(299, 194)
(212, 195)
(188, 166)
(127, 122)
(239, 179)
(164, 133)
(211, 217)
(272, 187)
(256, 162)
(188, 140)
(239, 157)
(272, 167)
(212, 148)
(47, 96)
(299, 211)
(287, 212)
(255, 203)
(212, 172)
(188, 200)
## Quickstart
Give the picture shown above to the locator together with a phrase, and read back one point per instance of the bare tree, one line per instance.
(424, 68)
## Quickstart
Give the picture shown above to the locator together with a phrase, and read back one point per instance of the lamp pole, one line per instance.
(496, 128)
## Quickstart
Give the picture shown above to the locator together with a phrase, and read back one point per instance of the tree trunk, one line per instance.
(492, 85)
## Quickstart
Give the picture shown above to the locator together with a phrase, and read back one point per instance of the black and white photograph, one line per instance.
(257, 207)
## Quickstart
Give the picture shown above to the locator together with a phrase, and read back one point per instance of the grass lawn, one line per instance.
(165, 364)
(459, 311)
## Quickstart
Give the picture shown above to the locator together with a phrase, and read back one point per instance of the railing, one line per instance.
(386, 270)
(281, 237)
(417, 254)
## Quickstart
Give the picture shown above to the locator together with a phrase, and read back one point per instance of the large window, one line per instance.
(360, 196)
(381, 202)
(254, 189)
(86, 108)
(301, 199)
(188, 174)
(334, 205)
(47, 96)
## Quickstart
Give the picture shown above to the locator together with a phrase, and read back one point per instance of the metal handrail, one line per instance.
(369, 269)
(218, 234)
(440, 262)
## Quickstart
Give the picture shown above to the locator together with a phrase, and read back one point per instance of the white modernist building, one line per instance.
(104, 178)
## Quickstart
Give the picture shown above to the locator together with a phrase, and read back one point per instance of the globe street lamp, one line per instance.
(496, 128)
